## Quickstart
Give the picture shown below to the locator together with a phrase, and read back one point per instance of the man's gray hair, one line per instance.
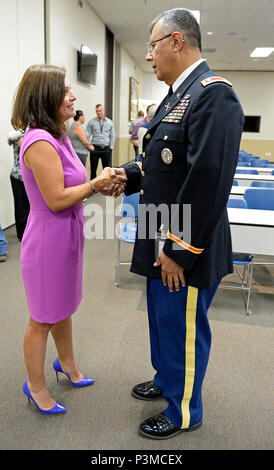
(182, 20)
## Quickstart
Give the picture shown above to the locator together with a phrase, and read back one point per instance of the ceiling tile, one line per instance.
(251, 20)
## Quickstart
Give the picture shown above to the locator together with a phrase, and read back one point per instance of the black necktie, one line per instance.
(162, 104)
(170, 92)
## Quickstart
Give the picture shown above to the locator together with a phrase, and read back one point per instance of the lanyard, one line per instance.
(101, 125)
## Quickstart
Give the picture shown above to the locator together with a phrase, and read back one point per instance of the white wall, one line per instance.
(21, 45)
(256, 94)
(125, 68)
(153, 90)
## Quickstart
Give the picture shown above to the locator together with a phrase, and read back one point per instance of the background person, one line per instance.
(53, 241)
(133, 123)
(143, 128)
(133, 137)
(78, 137)
(102, 131)
(21, 202)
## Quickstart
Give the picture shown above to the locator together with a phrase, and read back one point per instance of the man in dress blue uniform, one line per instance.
(190, 153)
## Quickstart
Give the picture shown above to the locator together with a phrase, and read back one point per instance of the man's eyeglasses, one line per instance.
(150, 45)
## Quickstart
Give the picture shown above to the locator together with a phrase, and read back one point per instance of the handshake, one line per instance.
(111, 182)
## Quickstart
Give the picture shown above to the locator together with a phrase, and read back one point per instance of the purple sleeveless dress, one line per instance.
(53, 242)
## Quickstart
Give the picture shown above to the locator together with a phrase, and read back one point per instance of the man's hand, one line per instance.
(119, 179)
(172, 273)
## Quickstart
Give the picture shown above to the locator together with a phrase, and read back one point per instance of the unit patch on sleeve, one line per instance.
(209, 80)
(177, 113)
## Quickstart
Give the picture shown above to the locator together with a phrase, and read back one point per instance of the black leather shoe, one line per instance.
(160, 427)
(147, 391)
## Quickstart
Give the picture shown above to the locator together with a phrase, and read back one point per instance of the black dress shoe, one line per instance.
(160, 427)
(147, 391)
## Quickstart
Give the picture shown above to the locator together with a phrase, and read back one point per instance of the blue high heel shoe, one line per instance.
(86, 381)
(53, 411)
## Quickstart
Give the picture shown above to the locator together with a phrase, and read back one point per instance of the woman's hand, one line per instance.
(119, 178)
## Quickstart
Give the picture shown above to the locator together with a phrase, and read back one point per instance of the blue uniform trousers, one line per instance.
(180, 340)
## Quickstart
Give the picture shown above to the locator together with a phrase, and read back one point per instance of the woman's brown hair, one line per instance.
(39, 96)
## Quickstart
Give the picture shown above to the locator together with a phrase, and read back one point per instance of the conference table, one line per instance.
(265, 170)
(240, 190)
(246, 178)
(252, 231)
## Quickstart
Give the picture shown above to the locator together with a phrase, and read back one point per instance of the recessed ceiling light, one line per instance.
(262, 52)
(210, 33)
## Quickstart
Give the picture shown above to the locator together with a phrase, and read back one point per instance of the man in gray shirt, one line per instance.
(103, 136)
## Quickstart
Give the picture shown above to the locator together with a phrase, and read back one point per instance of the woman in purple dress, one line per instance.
(52, 246)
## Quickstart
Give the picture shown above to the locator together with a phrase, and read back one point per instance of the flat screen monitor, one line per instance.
(252, 124)
(87, 65)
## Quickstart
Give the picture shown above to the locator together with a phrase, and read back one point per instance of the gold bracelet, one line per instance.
(92, 188)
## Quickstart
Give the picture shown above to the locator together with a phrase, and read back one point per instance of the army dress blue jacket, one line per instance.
(190, 153)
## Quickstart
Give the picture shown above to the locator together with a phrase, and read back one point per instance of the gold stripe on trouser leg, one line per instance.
(191, 306)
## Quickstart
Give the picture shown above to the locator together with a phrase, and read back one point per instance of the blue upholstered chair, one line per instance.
(238, 202)
(128, 228)
(259, 198)
(262, 184)
(244, 164)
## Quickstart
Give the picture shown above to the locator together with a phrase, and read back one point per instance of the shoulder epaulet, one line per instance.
(209, 80)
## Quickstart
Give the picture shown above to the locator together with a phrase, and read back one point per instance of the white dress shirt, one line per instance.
(185, 74)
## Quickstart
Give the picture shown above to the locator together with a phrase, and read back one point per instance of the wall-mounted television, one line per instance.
(252, 124)
(87, 65)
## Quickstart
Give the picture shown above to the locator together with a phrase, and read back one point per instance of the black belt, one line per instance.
(99, 147)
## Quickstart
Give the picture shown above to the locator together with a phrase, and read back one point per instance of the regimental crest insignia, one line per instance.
(177, 113)
(209, 80)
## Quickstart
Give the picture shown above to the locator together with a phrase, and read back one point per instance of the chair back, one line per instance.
(238, 202)
(235, 183)
(248, 172)
(129, 206)
(262, 163)
(259, 198)
(262, 184)
(244, 164)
